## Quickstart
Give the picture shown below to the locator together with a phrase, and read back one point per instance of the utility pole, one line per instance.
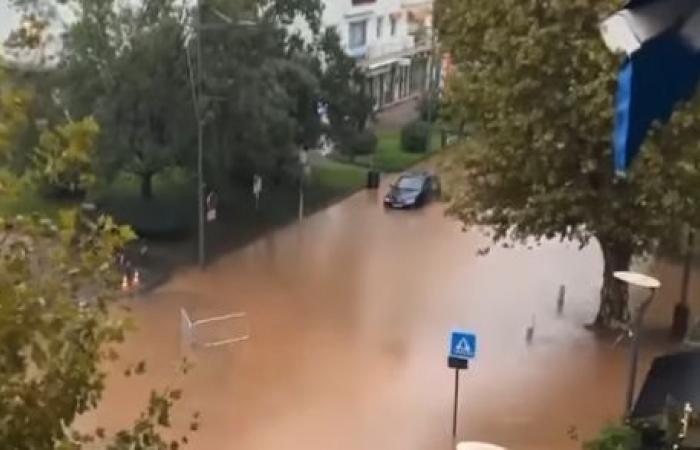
(652, 285)
(432, 76)
(303, 167)
(200, 141)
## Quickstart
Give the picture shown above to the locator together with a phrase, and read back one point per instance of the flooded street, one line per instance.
(349, 317)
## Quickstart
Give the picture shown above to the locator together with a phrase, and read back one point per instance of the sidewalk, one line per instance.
(397, 116)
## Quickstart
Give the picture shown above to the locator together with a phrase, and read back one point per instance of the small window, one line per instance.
(357, 35)
(380, 26)
(394, 23)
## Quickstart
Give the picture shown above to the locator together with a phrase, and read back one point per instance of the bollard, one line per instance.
(530, 332)
(561, 299)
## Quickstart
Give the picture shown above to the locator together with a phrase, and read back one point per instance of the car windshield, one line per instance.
(409, 183)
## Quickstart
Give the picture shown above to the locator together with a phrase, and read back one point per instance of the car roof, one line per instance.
(423, 174)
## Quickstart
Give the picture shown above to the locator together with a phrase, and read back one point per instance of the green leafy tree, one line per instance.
(537, 84)
(13, 113)
(57, 283)
(126, 65)
(64, 157)
(14, 119)
(344, 90)
(263, 89)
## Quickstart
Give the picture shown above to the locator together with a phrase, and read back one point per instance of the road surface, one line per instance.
(349, 317)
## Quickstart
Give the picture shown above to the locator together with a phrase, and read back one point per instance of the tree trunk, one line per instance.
(613, 294)
(147, 186)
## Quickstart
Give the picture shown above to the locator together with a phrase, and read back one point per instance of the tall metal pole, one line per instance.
(301, 199)
(634, 353)
(455, 407)
(432, 76)
(200, 141)
(303, 164)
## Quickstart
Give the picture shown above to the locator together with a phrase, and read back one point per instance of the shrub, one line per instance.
(415, 137)
(170, 214)
(355, 143)
(153, 218)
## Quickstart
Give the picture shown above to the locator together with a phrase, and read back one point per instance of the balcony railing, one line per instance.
(393, 48)
(414, 3)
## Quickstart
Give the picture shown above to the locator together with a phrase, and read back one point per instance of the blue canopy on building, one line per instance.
(662, 68)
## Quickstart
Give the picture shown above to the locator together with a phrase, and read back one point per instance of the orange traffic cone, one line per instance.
(137, 279)
(125, 283)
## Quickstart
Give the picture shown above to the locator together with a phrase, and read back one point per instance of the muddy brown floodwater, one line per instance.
(349, 317)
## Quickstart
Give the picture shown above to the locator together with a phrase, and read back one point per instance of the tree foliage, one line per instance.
(615, 437)
(344, 91)
(64, 157)
(265, 86)
(132, 66)
(537, 83)
(126, 65)
(57, 284)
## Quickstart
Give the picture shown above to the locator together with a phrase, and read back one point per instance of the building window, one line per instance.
(380, 26)
(394, 23)
(362, 2)
(357, 36)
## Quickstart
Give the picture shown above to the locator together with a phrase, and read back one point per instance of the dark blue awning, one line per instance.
(651, 83)
(662, 38)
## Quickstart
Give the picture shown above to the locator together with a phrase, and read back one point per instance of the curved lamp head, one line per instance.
(478, 446)
(638, 280)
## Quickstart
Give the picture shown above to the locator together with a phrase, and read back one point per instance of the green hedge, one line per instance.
(415, 137)
(154, 218)
(360, 143)
(171, 213)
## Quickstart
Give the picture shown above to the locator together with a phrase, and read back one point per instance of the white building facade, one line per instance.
(391, 41)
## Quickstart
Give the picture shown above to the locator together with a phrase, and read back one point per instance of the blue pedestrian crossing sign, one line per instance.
(462, 345)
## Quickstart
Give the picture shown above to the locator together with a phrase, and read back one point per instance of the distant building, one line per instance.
(390, 39)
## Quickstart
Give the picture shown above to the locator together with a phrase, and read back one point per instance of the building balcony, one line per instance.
(397, 48)
(417, 3)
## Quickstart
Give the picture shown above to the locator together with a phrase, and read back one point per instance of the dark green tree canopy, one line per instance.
(537, 84)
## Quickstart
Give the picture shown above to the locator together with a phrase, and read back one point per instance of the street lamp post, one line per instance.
(652, 284)
(200, 141)
(303, 166)
(202, 117)
(432, 79)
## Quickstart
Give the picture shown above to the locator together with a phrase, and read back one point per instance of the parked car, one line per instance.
(412, 190)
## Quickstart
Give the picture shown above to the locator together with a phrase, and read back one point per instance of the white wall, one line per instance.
(340, 13)
(8, 21)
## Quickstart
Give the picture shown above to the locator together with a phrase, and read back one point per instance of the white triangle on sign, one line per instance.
(463, 347)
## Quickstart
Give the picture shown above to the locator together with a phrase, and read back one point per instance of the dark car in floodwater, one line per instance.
(412, 190)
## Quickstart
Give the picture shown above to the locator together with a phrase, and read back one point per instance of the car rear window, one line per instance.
(409, 183)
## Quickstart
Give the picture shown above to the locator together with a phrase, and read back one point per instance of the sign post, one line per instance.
(304, 166)
(462, 349)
